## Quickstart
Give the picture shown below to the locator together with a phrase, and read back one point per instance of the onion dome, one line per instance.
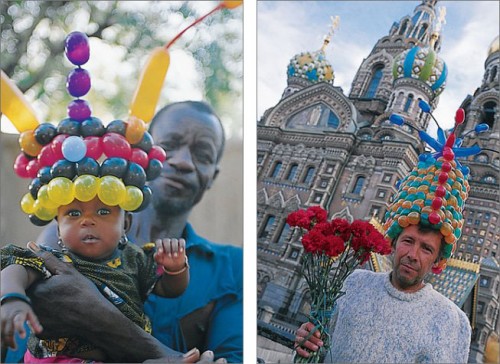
(421, 63)
(311, 66)
(494, 46)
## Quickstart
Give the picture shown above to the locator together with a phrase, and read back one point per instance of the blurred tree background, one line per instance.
(206, 62)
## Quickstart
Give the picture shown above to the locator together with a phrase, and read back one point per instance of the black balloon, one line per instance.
(87, 165)
(44, 133)
(135, 175)
(69, 126)
(146, 198)
(117, 126)
(37, 221)
(146, 143)
(114, 167)
(63, 168)
(34, 186)
(154, 169)
(92, 127)
(44, 174)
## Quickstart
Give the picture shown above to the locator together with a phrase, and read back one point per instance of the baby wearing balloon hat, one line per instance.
(89, 177)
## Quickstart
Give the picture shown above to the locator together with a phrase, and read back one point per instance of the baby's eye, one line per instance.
(103, 212)
(74, 213)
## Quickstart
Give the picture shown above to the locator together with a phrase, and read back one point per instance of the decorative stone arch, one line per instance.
(264, 276)
(292, 204)
(322, 92)
(345, 213)
(277, 201)
(370, 64)
(365, 134)
(262, 197)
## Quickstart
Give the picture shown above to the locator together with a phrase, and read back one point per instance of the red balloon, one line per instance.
(460, 116)
(443, 177)
(94, 147)
(115, 145)
(20, 165)
(140, 157)
(32, 168)
(440, 191)
(448, 153)
(450, 141)
(47, 156)
(157, 152)
(57, 145)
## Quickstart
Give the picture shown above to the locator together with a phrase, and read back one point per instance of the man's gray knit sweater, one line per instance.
(376, 323)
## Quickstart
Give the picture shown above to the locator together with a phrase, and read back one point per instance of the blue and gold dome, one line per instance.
(422, 63)
(311, 66)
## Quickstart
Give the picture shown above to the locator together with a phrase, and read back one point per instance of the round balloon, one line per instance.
(78, 82)
(111, 190)
(29, 144)
(133, 199)
(94, 147)
(92, 126)
(27, 203)
(20, 165)
(77, 48)
(74, 149)
(79, 110)
(63, 168)
(61, 190)
(44, 133)
(115, 145)
(86, 187)
(135, 130)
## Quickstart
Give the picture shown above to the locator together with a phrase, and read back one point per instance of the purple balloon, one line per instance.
(77, 48)
(79, 110)
(78, 82)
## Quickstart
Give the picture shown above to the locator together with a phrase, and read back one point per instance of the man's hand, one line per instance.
(305, 339)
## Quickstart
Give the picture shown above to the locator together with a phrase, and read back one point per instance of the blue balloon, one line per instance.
(73, 148)
(396, 119)
(481, 128)
(465, 152)
(433, 143)
(441, 136)
(424, 106)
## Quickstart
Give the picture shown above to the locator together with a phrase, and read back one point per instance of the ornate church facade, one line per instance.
(318, 146)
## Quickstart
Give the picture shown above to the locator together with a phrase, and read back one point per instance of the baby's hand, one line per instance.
(171, 254)
(14, 314)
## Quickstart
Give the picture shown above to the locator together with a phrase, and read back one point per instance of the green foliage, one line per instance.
(122, 35)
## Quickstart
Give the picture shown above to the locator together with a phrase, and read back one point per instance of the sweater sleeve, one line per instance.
(464, 339)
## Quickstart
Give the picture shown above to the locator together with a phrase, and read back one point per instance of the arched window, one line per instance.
(292, 172)
(360, 181)
(376, 77)
(365, 136)
(276, 170)
(421, 33)
(309, 175)
(489, 113)
(481, 158)
(493, 74)
(285, 234)
(409, 101)
(266, 231)
(333, 120)
(402, 30)
(386, 137)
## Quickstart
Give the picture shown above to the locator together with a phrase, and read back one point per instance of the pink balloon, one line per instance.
(94, 147)
(47, 156)
(20, 165)
(140, 157)
(115, 145)
(56, 145)
(157, 152)
(32, 168)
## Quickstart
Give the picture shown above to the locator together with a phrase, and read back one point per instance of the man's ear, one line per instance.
(216, 173)
(128, 221)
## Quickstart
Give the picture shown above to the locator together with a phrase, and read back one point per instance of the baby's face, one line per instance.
(91, 229)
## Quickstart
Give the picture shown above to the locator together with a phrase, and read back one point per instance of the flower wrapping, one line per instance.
(332, 251)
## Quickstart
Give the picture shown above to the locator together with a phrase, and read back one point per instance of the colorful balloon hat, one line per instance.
(81, 158)
(434, 193)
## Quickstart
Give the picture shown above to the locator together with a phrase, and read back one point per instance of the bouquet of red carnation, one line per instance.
(333, 249)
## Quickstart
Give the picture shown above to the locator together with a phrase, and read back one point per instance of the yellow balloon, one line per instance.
(45, 213)
(111, 190)
(61, 190)
(44, 199)
(133, 199)
(148, 91)
(15, 107)
(27, 203)
(86, 187)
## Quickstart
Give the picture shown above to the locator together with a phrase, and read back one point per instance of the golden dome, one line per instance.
(494, 46)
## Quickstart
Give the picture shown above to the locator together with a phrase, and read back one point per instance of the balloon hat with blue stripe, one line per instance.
(434, 192)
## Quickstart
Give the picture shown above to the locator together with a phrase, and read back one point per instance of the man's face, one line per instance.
(192, 141)
(91, 229)
(415, 253)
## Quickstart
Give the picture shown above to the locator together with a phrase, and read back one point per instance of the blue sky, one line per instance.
(285, 28)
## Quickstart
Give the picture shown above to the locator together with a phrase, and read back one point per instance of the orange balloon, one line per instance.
(28, 143)
(231, 4)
